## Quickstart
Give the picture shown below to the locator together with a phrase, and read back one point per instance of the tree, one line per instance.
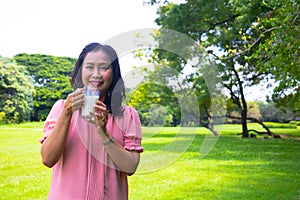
(278, 50)
(152, 98)
(51, 80)
(228, 26)
(270, 113)
(210, 98)
(16, 91)
(254, 110)
(212, 23)
(197, 92)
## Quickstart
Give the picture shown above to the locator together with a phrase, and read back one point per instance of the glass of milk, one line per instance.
(91, 95)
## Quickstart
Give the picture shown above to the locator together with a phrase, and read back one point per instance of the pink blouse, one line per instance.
(85, 171)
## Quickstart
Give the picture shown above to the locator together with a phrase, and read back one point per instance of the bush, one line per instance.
(294, 123)
(2, 115)
(280, 125)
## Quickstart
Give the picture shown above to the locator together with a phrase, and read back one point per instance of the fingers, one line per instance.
(101, 105)
(100, 113)
(75, 100)
(99, 120)
(102, 116)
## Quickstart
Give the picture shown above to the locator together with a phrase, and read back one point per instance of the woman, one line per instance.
(92, 158)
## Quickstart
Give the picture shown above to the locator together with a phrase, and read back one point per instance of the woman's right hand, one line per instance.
(53, 147)
(75, 100)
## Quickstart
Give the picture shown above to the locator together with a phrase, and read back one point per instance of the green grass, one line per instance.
(22, 175)
(171, 166)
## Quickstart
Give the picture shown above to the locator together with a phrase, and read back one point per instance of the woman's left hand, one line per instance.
(126, 161)
(100, 116)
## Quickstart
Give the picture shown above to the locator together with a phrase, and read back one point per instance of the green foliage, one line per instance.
(51, 80)
(16, 91)
(155, 103)
(253, 110)
(278, 50)
(214, 25)
(294, 123)
(270, 113)
(250, 41)
(2, 115)
(196, 91)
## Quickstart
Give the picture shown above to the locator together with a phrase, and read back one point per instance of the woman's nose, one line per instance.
(96, 72)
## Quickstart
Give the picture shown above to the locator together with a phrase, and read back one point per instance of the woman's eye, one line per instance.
(89, 67)
(102, 68)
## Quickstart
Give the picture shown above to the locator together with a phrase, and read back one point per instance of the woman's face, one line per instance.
(97, 71)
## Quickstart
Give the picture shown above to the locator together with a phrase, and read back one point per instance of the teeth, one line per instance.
(95, 83)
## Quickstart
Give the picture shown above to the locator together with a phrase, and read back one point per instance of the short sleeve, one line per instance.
(133, 130)
(51, 120)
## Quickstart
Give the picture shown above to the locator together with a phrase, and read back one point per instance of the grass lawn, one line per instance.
(171, 166)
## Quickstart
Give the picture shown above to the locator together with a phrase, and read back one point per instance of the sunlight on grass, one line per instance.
(171, 166)
(22, 175)
(236, 168)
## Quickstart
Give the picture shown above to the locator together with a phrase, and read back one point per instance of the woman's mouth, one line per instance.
(96, 83)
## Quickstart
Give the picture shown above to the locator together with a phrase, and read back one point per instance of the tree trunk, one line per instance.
(209, 125)
(269, 132)
(245, 133)
(214, 131)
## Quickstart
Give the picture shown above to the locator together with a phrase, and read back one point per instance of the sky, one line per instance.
(64, 27)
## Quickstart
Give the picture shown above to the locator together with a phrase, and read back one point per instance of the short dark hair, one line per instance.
(116, 91)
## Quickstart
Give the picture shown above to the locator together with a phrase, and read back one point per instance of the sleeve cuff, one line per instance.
(132, 148)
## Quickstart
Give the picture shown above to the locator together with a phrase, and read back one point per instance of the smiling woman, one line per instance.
(92, 157)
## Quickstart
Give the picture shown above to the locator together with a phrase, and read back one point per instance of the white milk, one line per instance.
(88, 106)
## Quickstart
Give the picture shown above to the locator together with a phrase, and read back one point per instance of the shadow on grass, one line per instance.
(226, 147)
(235, 168)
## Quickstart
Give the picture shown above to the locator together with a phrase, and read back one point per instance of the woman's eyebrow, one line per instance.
(102, 63)
(88, 63)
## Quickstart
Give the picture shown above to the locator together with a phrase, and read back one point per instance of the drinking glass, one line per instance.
(91, 95)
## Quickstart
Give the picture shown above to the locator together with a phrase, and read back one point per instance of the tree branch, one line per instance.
(221, 22)
(249, 48)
